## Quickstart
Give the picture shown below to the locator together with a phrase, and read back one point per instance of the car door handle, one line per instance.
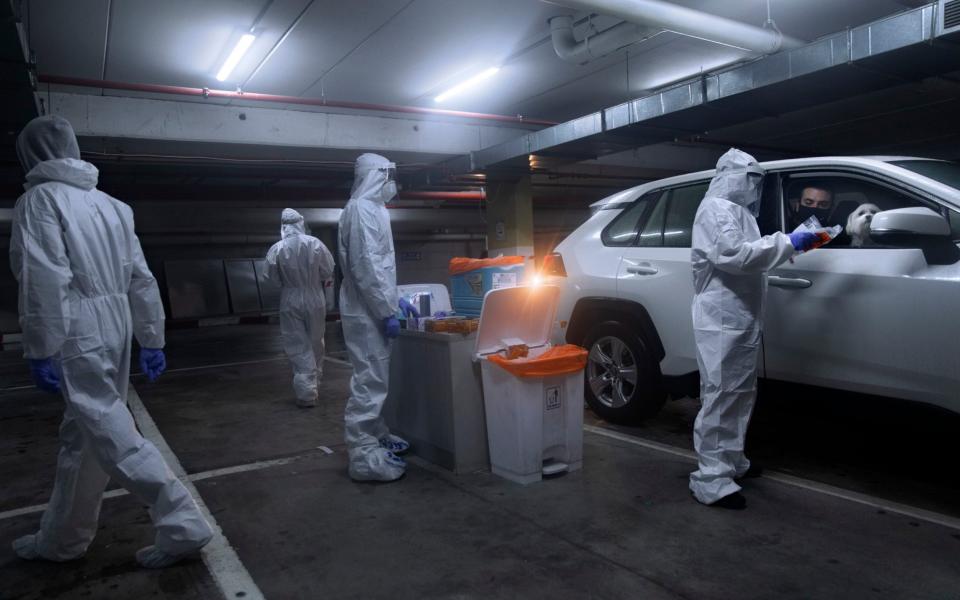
(789, 282)
(641, 270)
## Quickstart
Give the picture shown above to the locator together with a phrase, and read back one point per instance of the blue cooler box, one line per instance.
(469, 288)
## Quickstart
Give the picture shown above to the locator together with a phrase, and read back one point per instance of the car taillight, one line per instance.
(553, 265)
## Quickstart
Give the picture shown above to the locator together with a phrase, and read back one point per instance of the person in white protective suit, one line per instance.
(368, 306)
(85, 289)
(301, 264)
(730, 260)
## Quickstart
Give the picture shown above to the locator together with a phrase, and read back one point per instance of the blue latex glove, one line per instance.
(440, 314)
(409, 310)
(152, 362)
(803, 240)
(45, 375)
(391, 327)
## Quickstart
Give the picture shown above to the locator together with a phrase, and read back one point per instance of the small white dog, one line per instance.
(858, 224)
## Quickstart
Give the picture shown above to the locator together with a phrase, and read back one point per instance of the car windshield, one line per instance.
(945, 172)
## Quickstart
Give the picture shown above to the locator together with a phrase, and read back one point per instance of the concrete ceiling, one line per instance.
(394, 51)
(400, 52)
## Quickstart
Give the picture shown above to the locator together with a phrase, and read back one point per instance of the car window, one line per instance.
(652, 233)
(840, 200)
(684, 202)
(622, 231)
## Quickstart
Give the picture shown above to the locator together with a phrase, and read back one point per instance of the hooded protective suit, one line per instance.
(730, 261)
(85, 289)
(300, 264)
(368, 296)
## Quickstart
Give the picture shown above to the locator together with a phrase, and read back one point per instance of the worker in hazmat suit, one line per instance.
(301, 265)
(368, 308)
(85, 290)
(730, 261)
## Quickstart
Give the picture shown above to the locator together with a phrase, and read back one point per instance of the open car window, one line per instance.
(847, 201)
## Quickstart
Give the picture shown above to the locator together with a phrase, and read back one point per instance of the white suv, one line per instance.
(881, 318)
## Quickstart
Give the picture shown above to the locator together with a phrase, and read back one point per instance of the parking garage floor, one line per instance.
(854, 504)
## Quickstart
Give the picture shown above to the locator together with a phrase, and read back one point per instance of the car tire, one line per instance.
(622, 380)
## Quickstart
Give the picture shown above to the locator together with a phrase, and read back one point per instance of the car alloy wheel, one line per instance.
(612, 372)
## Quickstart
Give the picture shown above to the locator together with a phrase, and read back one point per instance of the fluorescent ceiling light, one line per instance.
(243, 44)
(463, 85)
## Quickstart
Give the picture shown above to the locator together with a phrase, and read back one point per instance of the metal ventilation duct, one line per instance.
(597, 45)
(689, 22)
(906, 47)
(949, 16)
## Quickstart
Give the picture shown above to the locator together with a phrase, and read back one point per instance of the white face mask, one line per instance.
(755, 186)
(389, 191)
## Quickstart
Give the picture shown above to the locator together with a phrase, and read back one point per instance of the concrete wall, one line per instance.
(419, 259)
(156, 255)
(427, 262)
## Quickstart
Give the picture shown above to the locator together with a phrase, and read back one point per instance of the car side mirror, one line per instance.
(916, 227)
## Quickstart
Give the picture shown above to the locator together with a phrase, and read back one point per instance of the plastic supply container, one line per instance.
(471, 279)
(533, 404)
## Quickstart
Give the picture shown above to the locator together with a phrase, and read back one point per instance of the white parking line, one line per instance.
(813, 486)
(255, 466)
(222, 561)
(180, 370)
(26, 510)
(218, 366)
(198, 368)
(337, 361)
(16, 388)
(623, 437)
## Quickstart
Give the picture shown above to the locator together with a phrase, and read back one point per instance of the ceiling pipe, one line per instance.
(598, 45)
(252, 96)
(689, 22)
(212, 239)
(440, 237)
(443, 195)
(232, 239)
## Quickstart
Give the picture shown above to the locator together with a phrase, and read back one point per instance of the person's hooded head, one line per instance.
(739, 179)
(374, 178)
(291, 223)
(46, 138)
(48, 151)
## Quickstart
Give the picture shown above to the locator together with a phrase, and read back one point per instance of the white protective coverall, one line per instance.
(368, 295)
(85, 289)
(730, 260)
(300, 264)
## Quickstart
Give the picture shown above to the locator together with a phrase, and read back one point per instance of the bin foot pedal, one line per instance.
(554, 468)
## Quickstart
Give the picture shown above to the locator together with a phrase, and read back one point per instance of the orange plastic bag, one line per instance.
(559, 360)
(463, 265)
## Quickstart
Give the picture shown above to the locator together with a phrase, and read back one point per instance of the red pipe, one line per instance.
(443, 196)
(208, 93)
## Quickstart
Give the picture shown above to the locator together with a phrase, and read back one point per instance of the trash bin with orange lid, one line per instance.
(533, 403)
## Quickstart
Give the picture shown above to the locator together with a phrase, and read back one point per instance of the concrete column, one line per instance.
(509, 217)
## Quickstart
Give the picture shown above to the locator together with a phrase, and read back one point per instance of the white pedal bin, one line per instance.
(534, 418)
